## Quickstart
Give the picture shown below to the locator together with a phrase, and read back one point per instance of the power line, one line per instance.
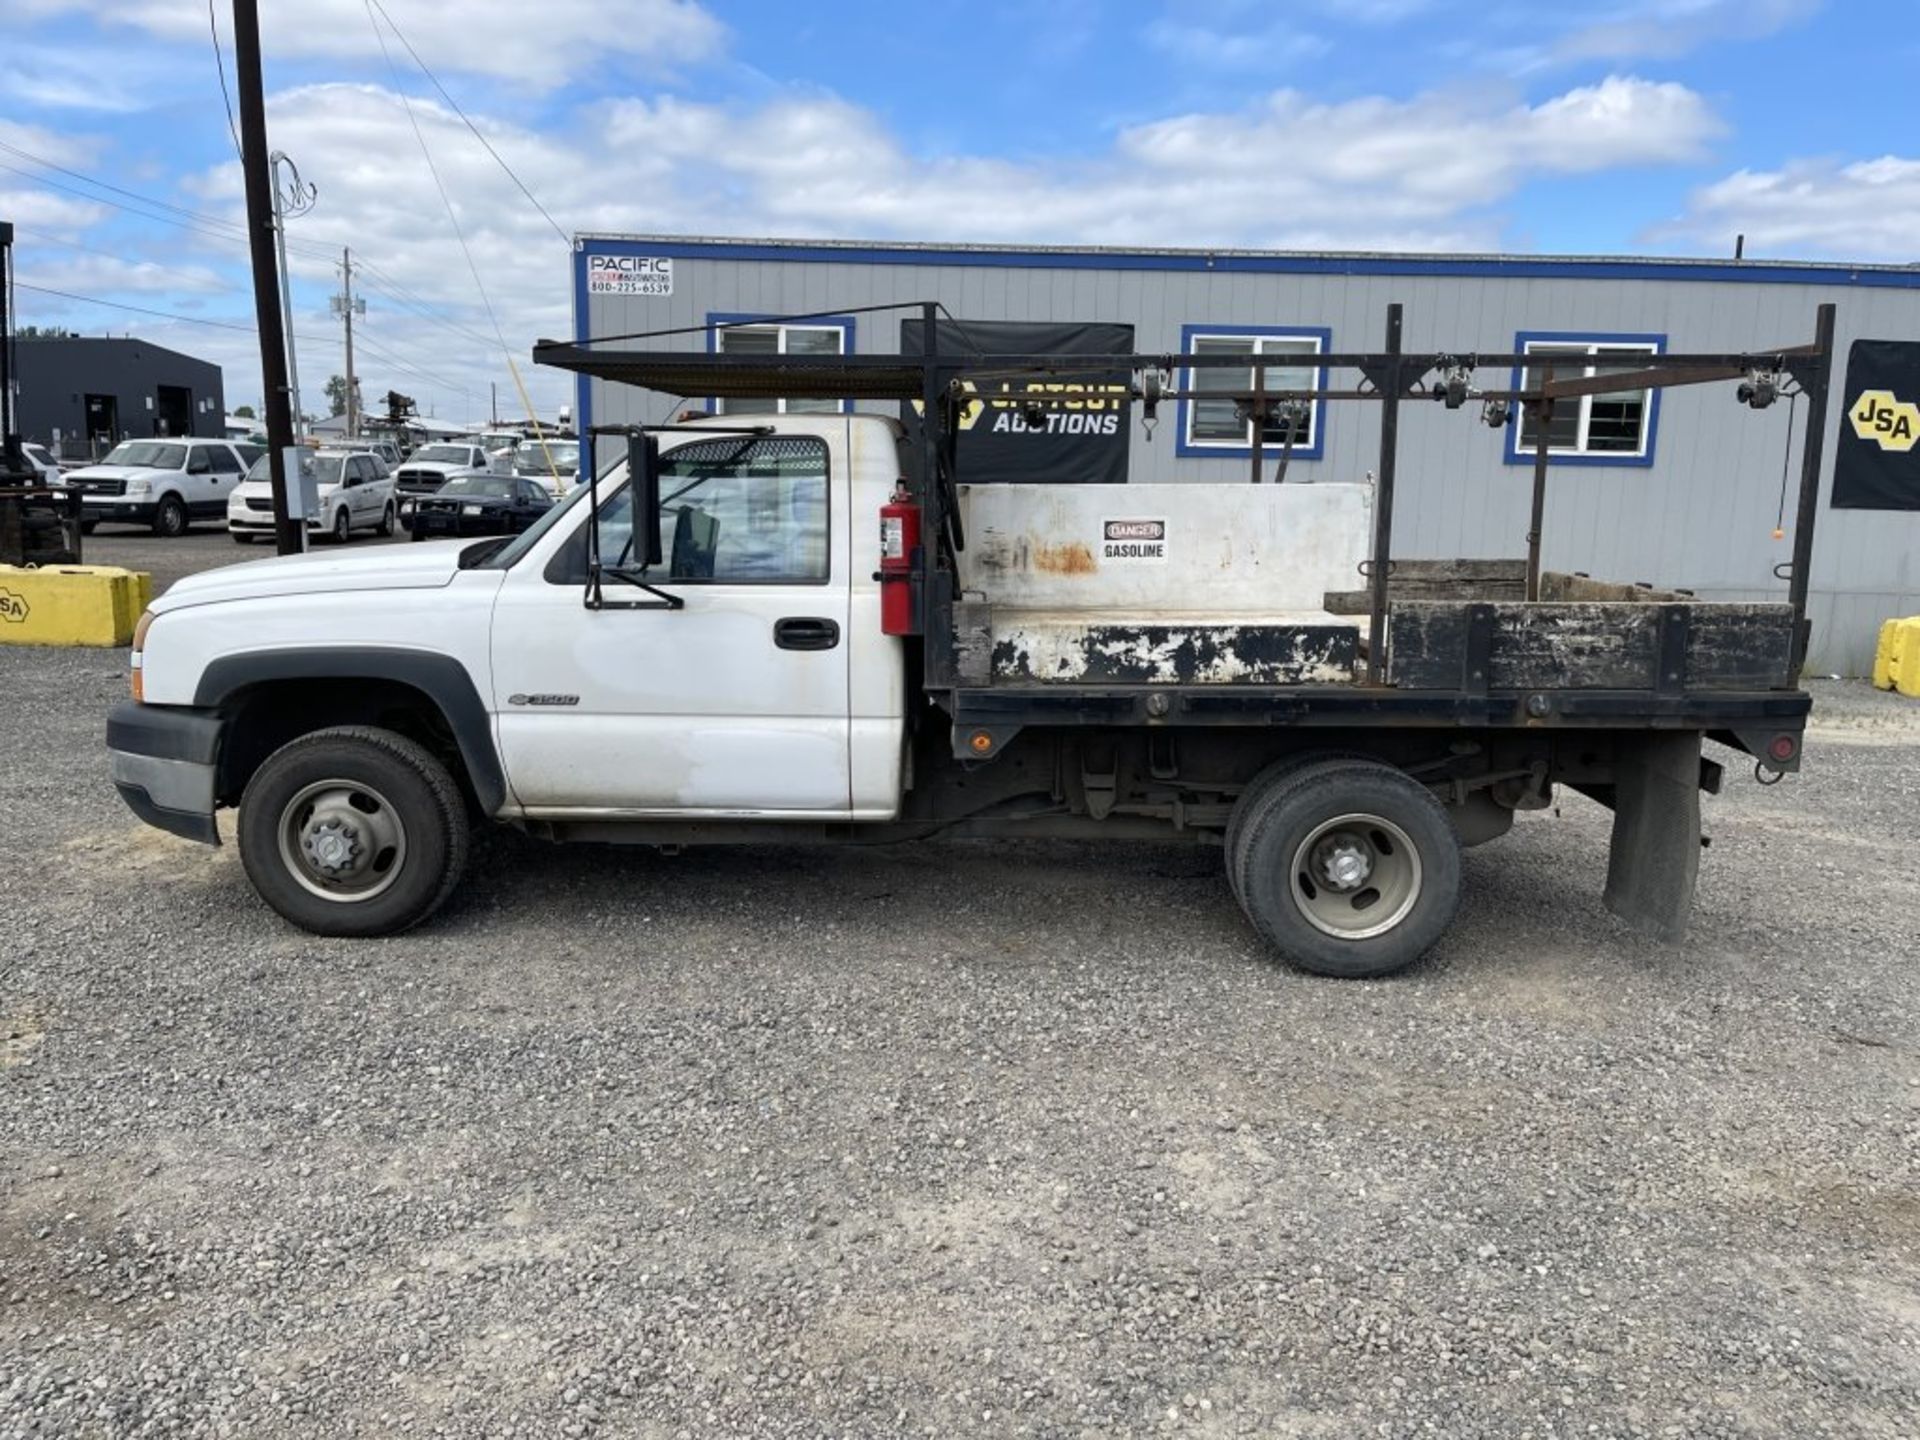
(400, 35)
(47, 238)
(446, 200)
(199, 223)
(138, 309)
(387, 357)
(220, 64)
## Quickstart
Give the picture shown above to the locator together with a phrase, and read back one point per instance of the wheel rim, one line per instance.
(1355, 876)
(342, 840)
(173, 517)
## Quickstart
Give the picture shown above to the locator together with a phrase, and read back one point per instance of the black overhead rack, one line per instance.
(943, 382)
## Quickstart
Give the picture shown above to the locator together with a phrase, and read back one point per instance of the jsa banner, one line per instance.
(1877, 466)
(1077, 442)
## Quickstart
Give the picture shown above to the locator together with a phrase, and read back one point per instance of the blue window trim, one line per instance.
(1183, 449)
(1510, 267)
(1516, 456)
(843, 323)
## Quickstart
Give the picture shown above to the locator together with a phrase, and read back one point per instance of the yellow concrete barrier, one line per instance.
(71, 604)
(1896, 660)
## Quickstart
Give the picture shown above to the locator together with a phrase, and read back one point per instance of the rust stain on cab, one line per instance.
(1072, 558)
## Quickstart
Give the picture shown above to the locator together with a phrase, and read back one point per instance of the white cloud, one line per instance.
(1863, 210)
(1629, 30)
(537, 43)
(1425, 173)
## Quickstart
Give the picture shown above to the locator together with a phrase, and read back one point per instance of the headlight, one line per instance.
(139, 487)
(137, 677)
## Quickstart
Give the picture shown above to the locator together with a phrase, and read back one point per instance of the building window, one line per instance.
(830, 336)
(1285, 360)
(1615, 427)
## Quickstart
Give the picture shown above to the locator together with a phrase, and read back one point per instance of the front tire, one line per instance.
(386, 522)
(353, 831)
(342, 527)
(87, 527)
(170, 517)
(241, 537)
(1349, 868)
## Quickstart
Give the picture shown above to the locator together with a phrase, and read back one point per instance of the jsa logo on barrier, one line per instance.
(1884, 420)
(13, 608)
(629, 275)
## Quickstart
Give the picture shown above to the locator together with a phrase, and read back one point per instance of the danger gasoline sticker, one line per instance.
(1141, 541)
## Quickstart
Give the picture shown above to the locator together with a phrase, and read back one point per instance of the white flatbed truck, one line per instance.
(708, 644)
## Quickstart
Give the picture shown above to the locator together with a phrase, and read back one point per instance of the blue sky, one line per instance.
(1617, 126)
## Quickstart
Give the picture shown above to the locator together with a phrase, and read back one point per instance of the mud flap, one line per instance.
(1655, 856)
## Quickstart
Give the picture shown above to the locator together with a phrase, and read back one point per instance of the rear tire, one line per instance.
(1350, 868)
(170, 518)
(353, 831)
(1250, 799)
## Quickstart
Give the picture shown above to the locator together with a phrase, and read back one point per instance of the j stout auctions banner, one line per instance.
(1878, 465)
(1002, 436)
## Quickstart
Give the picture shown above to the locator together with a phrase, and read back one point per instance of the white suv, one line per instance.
(355, 492)
(166, 483)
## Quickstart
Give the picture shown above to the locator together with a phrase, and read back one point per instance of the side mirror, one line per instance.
(644, 460)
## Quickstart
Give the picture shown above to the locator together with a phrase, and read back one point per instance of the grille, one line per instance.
(265, 506)
(101, 487)
(419, 480)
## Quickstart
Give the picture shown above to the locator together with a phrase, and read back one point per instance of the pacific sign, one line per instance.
(629, 275)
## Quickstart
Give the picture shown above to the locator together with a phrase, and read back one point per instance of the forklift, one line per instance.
(39, 523)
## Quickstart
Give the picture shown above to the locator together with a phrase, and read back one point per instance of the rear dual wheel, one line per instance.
(1345, 866)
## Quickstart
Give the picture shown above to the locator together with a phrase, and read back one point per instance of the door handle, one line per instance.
(806, 632)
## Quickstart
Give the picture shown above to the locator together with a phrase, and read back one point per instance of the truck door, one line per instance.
(736, 704)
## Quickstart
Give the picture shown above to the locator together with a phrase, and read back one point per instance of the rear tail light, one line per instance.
(1783, 747)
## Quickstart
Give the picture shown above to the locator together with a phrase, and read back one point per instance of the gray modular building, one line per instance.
(1682, 487)
(88, 393)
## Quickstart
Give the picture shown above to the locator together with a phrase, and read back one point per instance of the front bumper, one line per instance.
(116, 507)
(164, 760)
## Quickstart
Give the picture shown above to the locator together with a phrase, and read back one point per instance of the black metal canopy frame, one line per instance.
(944, 382)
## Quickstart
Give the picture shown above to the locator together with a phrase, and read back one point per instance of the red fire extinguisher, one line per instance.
(899, 542)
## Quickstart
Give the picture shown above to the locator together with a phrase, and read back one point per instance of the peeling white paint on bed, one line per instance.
(1063, 647)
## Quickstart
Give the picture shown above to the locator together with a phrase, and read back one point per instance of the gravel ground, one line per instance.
(958, 1139)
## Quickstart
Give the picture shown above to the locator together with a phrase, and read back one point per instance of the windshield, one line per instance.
(40, 453)
(509, 555)
(325, 469)
(486, 485)
(147, 454)
(531, 459)
(443, 454)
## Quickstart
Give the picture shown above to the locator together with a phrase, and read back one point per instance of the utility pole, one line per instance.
(346, 307)
(493, 403)
(290, 534)
(291, 196)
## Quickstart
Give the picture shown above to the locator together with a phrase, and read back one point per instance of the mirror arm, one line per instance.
(596, 599)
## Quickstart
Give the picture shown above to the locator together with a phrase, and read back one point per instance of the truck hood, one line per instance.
(263, 490)
(423, 566)
(116, 472)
